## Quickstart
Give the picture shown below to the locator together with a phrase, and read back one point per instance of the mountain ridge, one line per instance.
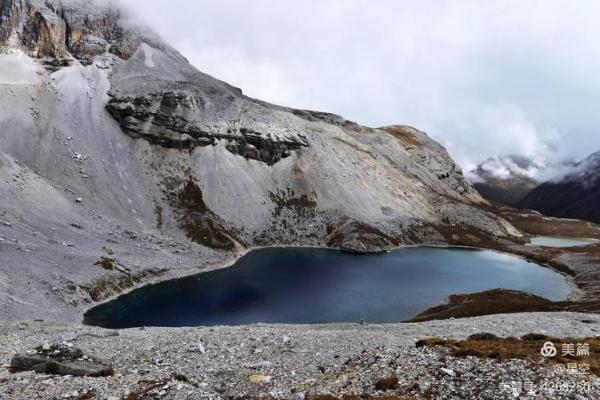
(505, 179)
(575, 195)
(125, 152)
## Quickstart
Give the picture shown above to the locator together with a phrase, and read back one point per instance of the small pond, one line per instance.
(557, 241)
(308, 286)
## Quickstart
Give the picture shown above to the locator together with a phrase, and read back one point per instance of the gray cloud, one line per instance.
(482, 77)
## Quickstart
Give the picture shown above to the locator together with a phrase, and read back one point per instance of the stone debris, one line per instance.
(59, 359)
(372, 360)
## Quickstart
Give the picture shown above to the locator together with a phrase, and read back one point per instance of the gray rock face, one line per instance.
(60, 360)
(200, 171)
(177, 120)
(63, 30)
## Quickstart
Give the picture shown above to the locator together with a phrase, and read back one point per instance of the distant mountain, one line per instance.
(506, 179)
(577, 195)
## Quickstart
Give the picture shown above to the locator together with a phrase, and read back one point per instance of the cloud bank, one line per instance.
(482, 77)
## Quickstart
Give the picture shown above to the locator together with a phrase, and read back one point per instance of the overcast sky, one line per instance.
(482, 77)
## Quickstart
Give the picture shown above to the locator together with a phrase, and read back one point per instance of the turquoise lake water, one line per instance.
(308, 286)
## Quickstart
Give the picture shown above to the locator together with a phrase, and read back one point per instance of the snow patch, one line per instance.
(17, 68)
(507, 167)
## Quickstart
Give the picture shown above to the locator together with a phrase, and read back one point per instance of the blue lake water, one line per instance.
(309, 286)
(556, 241)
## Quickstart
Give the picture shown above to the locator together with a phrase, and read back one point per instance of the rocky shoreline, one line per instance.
(580, 272)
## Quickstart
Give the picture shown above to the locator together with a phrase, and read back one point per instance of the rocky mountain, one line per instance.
(576, 195)
(120, 163)
(505, 179)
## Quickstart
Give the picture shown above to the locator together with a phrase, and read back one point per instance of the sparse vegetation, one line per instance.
(143, 389)
(107, 286)
(499, 301)
(405, 134)
(158, 212)
(526, 348)
(199, 223)
(357, 397)
(106, 263)
(360, 232)
(302, 205)
(387, 383)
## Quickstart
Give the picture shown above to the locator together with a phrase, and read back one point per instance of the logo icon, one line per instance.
(549, 350)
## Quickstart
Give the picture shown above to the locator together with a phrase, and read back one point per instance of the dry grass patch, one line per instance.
(106, 263)
(144, 388)
(200, 224)
(363, 397)
(406, 134)
(387, 383)
(526, 348)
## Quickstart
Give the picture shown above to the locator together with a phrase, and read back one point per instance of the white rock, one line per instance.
(448, 372)
(68, 337)
(260, 364)
(79, 200)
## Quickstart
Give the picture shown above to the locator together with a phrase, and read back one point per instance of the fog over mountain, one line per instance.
(483, 78)
(575, 195)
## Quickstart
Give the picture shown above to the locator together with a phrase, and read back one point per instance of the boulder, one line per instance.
(60, 360)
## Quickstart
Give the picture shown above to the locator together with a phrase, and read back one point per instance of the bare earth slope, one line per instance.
(120, 163)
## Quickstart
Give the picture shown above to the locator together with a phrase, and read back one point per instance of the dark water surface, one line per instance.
(319, 286)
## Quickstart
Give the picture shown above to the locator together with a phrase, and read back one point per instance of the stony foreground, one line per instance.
(296, 362)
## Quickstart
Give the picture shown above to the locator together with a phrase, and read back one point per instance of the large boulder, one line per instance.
(60, 359)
